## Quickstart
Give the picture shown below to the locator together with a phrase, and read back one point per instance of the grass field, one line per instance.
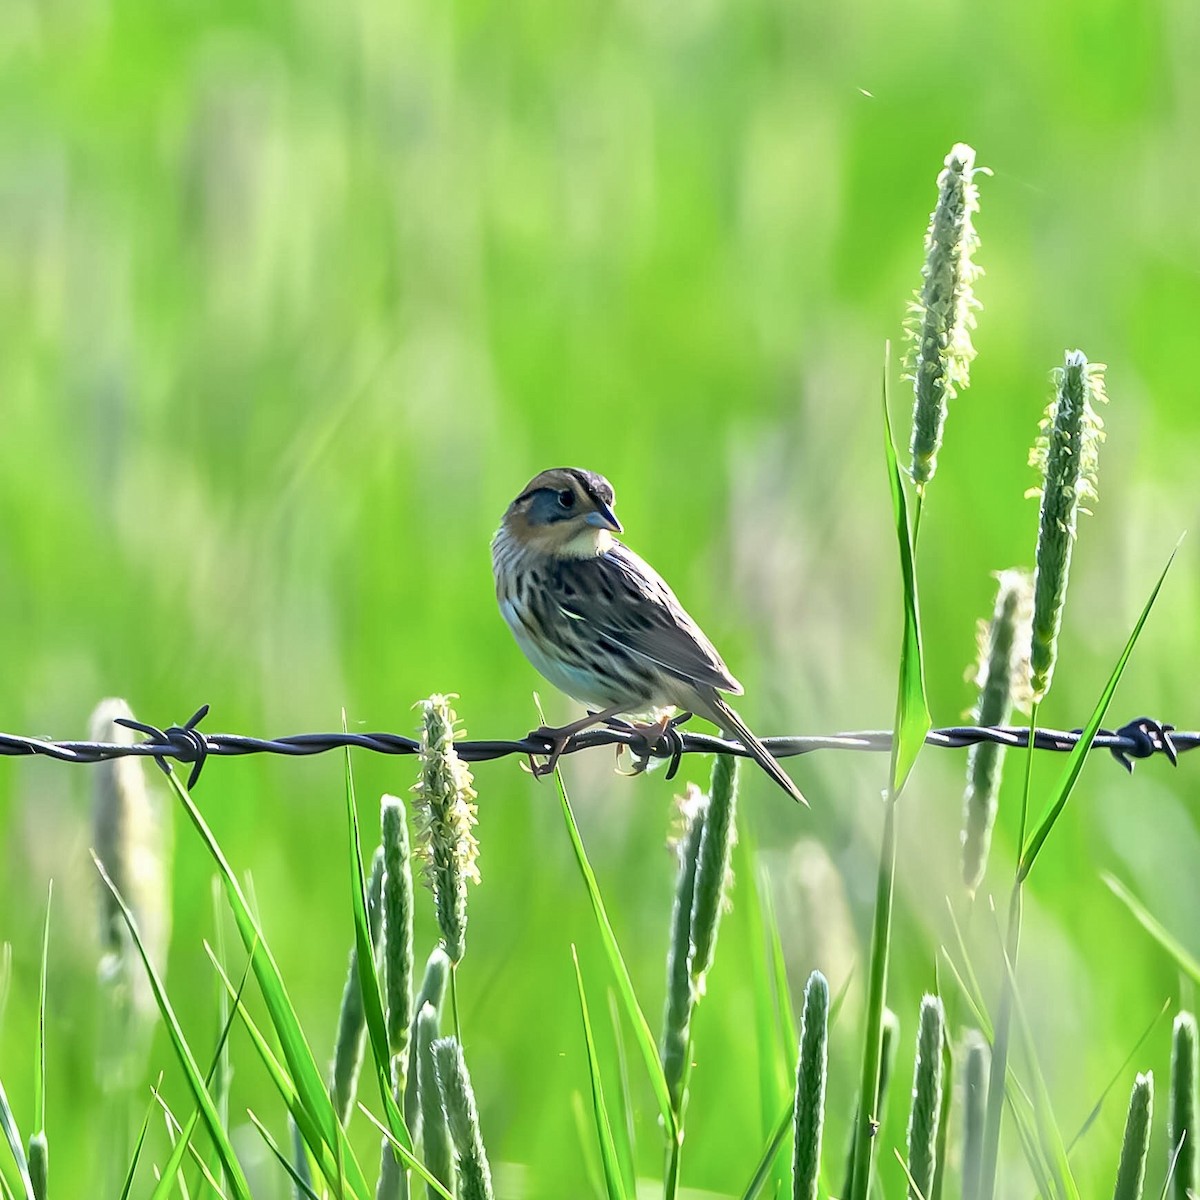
(295, 299)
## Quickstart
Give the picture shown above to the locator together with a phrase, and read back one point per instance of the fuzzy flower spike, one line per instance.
(446, 814)
(942, 314)
(1066, 454)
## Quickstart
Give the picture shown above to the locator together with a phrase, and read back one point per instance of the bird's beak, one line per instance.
(604, 518)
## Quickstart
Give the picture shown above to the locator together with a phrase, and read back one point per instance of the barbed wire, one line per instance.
(1141, 738)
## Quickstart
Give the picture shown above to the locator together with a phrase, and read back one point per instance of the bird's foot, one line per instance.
(650, 736)
(558, 739)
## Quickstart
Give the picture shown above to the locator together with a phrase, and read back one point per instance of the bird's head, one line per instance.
(565, 512)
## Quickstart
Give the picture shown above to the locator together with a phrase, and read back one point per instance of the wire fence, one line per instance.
(1141, 738)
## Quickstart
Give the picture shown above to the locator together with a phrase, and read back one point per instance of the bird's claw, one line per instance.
(556, 742)
(1149, 737)
(664, 731)
(646, 742)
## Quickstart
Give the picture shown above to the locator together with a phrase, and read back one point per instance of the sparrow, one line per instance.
(599, 622)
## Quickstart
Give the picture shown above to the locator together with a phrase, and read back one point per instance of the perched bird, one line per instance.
(599, 622)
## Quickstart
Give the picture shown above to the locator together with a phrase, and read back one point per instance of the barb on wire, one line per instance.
(1143, 737)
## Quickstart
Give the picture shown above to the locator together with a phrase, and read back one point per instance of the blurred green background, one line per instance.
(295, 297)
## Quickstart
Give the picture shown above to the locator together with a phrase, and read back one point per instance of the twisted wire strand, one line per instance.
(1143, 737)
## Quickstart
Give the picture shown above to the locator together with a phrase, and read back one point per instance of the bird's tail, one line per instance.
(736, 727)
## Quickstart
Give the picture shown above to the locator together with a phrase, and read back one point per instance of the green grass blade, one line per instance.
(968, 981)
(1049, 1135)
(5, 977)
(16, 1143)
(332, 1166)
(330, 1162)
(614, 1183)
(305, 1075)
(976, 1007)
(183, 1052)
(633, 1011)
(788, 1032)
(137, 1147)
(368, 976)
(772, 1004)
(913, 721)
(589, 1160)
(774, 1022)
(414, 1164)
(219, 1071)
(171, 1168)
(624, 1130)
(38, 1154)
(1118, 1075)
(839, 1001)
(298, 1182)
(174, 1129)
(914, 1188)
(1020, 1106)
(1078, 756)
(223, 1075)
(1170, 1177)
(39, 1077)
(280, 1079)
(771, 1151)
(1186, 963)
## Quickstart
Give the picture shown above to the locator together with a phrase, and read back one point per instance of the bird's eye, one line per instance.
(566, 498)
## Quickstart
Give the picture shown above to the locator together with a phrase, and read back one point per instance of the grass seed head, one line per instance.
(714, 872)
(131, 829)
(397, 911)
(446, 816)
(1182, 1115)
(926, 1097)
(1002, 676)
(462, 1115)
(942, 314)
(1066, 453)
(1131, 1173)
(811, 1075)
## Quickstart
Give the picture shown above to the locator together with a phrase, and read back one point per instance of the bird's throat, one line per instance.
(587, 543)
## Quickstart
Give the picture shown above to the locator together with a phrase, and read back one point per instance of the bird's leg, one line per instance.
(559, 738)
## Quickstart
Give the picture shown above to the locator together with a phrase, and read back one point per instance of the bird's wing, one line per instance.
(625, 599)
